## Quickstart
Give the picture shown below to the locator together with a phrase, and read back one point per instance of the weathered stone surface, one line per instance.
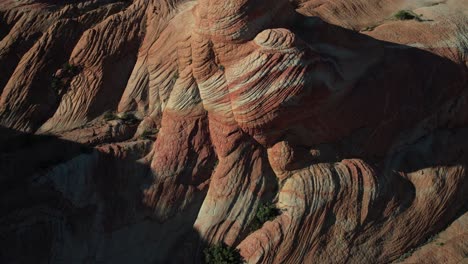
(352, 122)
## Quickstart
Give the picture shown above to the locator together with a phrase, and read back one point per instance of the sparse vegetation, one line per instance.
(406, 255)
(412, 250)
(149, 134)
(407, 15)
(70, 68)
(370, 28)
(126, 117)
(175, 76)
(222, 254)
(432, 238)
(56, 84)
(221, 67)
(61, 79)
(108, 116)
(266, 212)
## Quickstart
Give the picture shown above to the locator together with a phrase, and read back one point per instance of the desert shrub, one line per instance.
(148, 134)
(128, 117)
(405, 256)
(266, 212)
(61, 81)
(175, 76)
(70, 68)
(406, 15)
(108, 116)
(221, 67)
(370, 28)
(432, 238)
(222, 254)
(56, 84)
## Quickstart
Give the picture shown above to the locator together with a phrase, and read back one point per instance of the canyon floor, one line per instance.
(302, 131)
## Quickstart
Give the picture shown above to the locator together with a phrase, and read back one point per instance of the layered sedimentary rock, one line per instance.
(350, 121)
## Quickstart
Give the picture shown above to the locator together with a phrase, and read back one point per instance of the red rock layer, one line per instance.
(358, 139)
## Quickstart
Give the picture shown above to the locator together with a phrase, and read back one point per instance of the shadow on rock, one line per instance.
(67, 202)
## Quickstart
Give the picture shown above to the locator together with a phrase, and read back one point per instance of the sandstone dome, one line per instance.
(311, 131)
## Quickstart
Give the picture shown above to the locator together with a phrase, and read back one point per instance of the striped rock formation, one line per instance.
(350, 121)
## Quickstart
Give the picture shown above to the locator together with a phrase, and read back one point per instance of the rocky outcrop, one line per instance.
(445, 247)
(350, 121)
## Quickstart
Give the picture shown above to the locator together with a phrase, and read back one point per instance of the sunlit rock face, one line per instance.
(151, 129)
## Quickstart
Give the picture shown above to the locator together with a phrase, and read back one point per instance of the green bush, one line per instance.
(370, 28)
(56, 84)
(59, 83)
(406, 255)
(149, 134)
(126, 117)
(175, 76)
(108, 116)
(70, 69)
(266, 212)
(406, 15)
(222, 254)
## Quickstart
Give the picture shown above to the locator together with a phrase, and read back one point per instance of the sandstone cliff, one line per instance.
(145, 131)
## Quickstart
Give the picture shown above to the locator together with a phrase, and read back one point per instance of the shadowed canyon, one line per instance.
(302, 131)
